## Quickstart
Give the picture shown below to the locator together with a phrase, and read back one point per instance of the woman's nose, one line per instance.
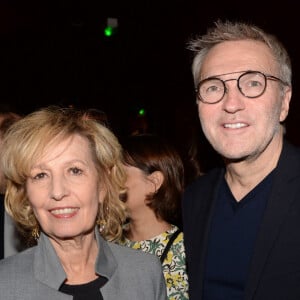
(58, 188)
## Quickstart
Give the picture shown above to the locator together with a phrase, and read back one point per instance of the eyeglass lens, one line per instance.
(250, 84)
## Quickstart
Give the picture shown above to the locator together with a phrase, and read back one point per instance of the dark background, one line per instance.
(56, 53)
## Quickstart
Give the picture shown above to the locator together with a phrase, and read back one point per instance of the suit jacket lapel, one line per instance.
(281, 197)
(210, 209)
(200, 201)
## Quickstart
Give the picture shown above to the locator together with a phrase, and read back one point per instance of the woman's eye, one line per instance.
(39, 176)
(76, 171)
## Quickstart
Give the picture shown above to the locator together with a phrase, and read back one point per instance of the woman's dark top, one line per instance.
(90, 290)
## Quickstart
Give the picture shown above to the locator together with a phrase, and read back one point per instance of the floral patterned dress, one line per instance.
(174, 265)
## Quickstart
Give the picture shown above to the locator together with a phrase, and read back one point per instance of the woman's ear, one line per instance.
(101, 194)
(157, 178)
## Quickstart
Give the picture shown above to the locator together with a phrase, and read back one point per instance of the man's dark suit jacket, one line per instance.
(275, 267)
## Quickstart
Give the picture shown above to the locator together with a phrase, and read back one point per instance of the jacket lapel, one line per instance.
(199, 202)
(281, 197)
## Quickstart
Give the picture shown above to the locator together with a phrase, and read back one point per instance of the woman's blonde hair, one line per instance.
(26, 141)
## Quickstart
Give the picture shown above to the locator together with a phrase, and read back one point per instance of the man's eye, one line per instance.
(254, 83)
(213, 89)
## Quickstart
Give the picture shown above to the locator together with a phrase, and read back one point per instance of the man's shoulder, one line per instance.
(290, 149)
(289, 161)
(205, 180)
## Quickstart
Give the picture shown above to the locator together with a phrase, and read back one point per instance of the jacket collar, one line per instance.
(48, 268)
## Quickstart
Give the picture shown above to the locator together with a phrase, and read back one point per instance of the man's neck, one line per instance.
(244, 175)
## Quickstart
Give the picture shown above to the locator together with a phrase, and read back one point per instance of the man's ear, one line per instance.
(157, 178)
(285, 104)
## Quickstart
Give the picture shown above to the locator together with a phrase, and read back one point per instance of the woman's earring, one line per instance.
(101, 224)
(36, 232)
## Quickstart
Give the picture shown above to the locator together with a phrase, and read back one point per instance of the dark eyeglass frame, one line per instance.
(265, 76)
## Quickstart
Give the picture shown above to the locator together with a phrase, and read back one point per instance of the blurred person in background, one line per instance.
(155, 178)
(10, 241)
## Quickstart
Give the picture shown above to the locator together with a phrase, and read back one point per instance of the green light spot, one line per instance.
(108, 31)
(142, 112)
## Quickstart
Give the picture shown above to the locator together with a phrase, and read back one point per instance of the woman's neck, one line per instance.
(145, 229)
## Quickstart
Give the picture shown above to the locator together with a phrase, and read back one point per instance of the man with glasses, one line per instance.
(242, 222)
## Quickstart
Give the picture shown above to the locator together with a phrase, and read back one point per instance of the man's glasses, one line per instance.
(251, 84)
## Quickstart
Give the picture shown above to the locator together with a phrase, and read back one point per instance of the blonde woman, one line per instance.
(65, 177)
